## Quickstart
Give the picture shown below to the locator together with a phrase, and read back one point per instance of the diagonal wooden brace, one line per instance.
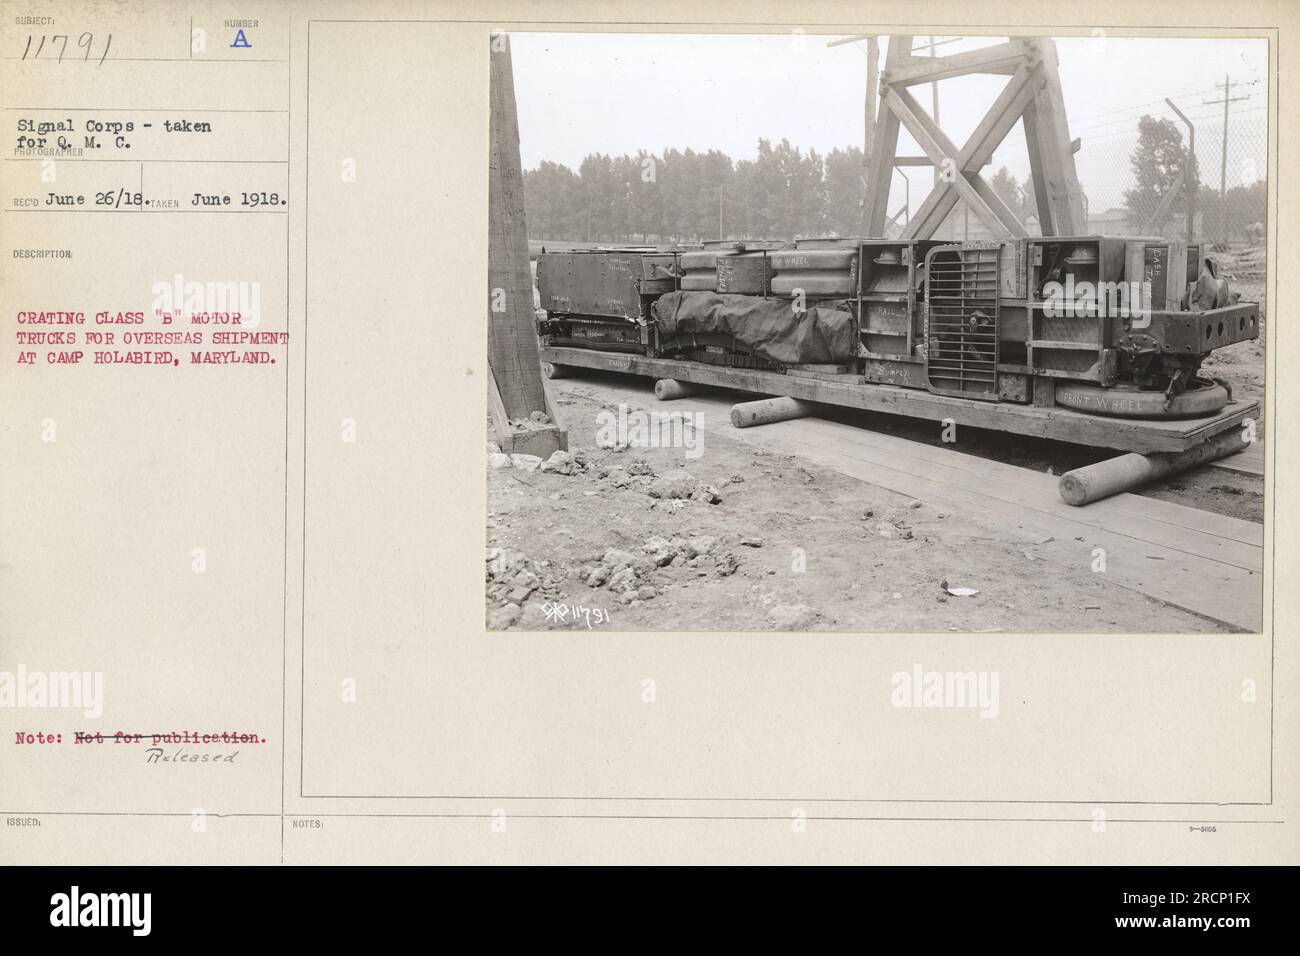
(965, 182)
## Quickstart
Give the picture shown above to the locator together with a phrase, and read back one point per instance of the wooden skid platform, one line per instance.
(1061, 424)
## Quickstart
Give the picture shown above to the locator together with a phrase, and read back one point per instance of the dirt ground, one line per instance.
(771, 542)
(787, 544)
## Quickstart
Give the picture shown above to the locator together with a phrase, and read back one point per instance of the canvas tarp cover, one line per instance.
(768, 327)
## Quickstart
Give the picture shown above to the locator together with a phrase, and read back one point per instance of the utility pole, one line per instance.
(1227, 86)
(932, 46)
(721, 187)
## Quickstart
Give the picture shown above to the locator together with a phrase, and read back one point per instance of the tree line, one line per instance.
(782, 193)
(688, 196)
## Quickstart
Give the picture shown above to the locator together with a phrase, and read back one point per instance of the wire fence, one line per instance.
(1136, 179)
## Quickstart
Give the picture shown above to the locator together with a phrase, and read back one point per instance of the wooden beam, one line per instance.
(872, 97)
(1033, 94)
(913, 161)
(1166, 202)
(880, 173)
(938, 148)
(999, 121)
(972, 190)
(869, 104)
(1001, 58)
(997, 205)
(1064, 424)
(1038, 173)
(934, 210)
(1052, 133)
(977, 153)
(512, 332)
(936, 144)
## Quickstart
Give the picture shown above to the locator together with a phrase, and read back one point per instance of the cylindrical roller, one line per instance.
(1110, 477)
(670, 388)
(768, 410)
(551, 370)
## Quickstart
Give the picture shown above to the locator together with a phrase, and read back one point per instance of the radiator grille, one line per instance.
(961, 331)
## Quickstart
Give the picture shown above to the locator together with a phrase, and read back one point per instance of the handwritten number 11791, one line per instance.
(85, 42)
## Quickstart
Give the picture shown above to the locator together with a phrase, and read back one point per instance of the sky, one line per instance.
(580, 93)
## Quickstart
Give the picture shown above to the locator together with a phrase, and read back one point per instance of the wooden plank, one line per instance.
(1038, 173)
(1205, 534)
(1247, 532)
(1178, 528)
(1215, 589)
(1170, 560)
(1119, 510)
(1061, 424)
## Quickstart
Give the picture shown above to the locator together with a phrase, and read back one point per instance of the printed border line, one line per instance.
(288, 345)
(628, 816)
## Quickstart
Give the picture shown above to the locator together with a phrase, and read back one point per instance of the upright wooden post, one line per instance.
(870, 100)
(885, 145)
(521, 413)
(1047, 128)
